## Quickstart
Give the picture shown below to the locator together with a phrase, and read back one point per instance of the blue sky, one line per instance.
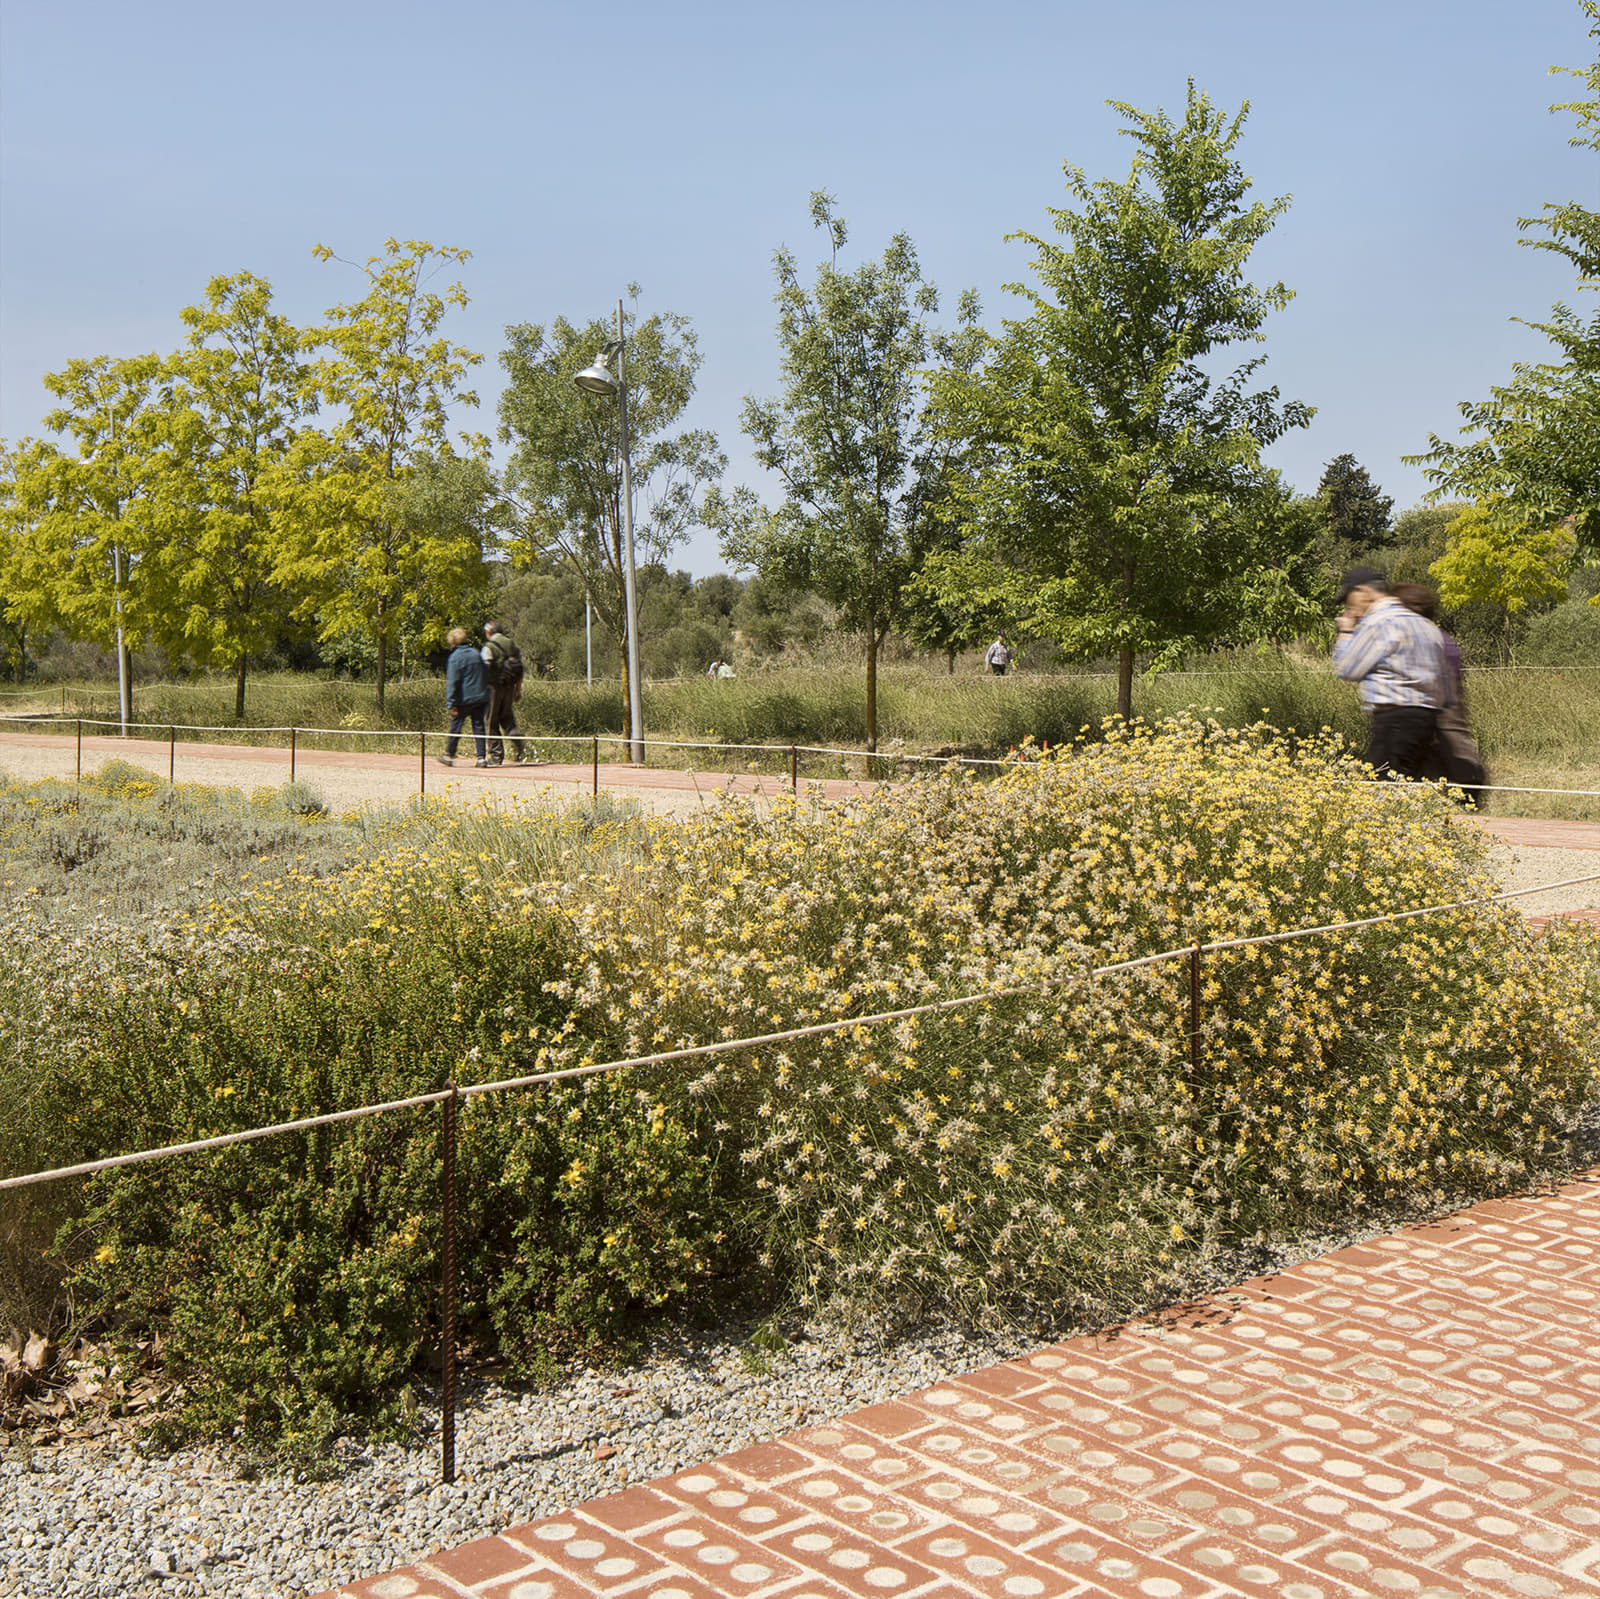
(575, 148)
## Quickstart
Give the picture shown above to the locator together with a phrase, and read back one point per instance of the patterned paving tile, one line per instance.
(1414, 1418)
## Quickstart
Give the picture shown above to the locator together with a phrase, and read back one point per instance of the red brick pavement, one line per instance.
(1413, 1418)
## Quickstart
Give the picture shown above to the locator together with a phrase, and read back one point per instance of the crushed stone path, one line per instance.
(1415, 1416)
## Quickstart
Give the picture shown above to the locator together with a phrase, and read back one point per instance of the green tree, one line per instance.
(27, 597)
(1358, 513)
(844, 437)
(949, 605)
(1530, 453)
(232, 403)
(80, 523)
(565, 469)
(1118, 492)
(358, 546)
(1490, 561)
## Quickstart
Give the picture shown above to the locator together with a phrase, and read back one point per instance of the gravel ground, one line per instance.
(87, 1521)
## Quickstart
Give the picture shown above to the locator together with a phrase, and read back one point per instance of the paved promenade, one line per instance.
(1418, 1416)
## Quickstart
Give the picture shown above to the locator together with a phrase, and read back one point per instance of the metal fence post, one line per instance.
(78, 773)
(292, 732)
(794, 769)
(422, 763)
(595, 754)
(172, 752)
(447, 1314)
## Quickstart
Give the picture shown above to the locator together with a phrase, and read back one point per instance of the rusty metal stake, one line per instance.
(595, 753)
(292, 732)
(447, 1314)
(172, 752)
(78, 775)
(794, 769)
(422, 763)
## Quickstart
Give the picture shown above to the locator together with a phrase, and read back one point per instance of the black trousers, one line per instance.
(1399, 739)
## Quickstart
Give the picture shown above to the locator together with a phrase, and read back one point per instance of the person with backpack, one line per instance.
(466, 694)
(502, 660)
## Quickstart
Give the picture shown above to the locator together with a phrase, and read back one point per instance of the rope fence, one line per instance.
(449, 1097)
(245, 737)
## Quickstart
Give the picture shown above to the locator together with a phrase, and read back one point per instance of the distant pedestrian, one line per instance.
(998, 656)
(466, 694)
(502, 661)
(715, 668)
(1397, 659)
(1456, 756)
(724, 669)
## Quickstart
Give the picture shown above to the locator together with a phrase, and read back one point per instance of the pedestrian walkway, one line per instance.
(1416, 1417)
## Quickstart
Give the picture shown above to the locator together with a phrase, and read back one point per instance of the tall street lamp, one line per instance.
(600, 379)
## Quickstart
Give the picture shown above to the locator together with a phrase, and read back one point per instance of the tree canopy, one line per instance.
(353, 544)
(843, 436)
(1358, 513)
(1116, 487)
(565, 469)
(1529, 454)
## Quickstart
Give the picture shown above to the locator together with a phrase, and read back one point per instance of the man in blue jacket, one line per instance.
(466, 694)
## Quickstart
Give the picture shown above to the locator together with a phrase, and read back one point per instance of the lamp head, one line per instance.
(599, 378)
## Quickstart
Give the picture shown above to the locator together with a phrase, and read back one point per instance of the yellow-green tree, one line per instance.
(1493, 559)
(360, 546)
(232, 406)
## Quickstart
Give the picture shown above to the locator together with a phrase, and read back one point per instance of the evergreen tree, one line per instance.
(1360, 522)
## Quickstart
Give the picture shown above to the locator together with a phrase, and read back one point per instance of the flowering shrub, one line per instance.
(1059, 1149)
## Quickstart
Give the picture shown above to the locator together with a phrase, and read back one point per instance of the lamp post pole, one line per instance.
(630, 591)
(600, 379)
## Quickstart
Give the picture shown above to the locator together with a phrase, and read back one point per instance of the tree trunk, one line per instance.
(872, 685)
(1125, 685)
(238, 692)
(383, 656)
(950, 659)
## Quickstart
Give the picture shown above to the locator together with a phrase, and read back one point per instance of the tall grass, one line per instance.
(1535, 726)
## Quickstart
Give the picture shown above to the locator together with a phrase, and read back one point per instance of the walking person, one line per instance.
(998, 656)
(1456, 756)
(466, 694)
(502, 661)
(1397, 659)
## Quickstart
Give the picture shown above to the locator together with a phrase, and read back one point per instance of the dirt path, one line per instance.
(349, 780)
(1528, 851)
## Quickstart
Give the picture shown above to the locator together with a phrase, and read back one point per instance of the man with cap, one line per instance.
(1397, 658)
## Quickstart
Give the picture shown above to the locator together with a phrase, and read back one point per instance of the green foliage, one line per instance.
(1117, 488)
(231, 406)
(384, 520)
(1043, 1154)
(1490, 561)
(1358, 514)
(1531, 451)
(843, 437)
(565, 470)
(1568, 635)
